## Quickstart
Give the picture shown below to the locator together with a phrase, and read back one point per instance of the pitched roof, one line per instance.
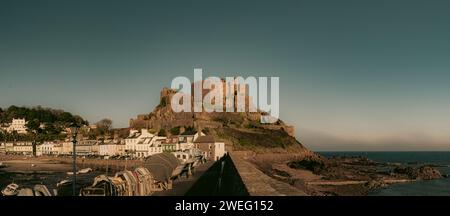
(134, 135)
(205, 139)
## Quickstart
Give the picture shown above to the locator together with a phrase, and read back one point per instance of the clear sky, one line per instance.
(354, 75)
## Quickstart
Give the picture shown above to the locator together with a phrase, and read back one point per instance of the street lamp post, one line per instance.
(34, 142)
(74, 131)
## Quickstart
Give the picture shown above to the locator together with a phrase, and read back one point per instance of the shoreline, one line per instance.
(340, 176)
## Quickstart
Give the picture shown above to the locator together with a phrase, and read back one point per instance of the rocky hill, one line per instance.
(241, 129)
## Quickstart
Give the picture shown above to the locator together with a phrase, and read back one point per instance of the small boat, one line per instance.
(11, 190)
(26, 192)
(85, 170)
(64, 182)
(2, 165)
(41, 190)
(82, 171)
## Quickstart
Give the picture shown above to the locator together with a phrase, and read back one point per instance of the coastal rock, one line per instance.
(314, 165)
(424, 172)
(429, 173)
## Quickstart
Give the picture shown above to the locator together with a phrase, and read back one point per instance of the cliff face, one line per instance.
(242, 129)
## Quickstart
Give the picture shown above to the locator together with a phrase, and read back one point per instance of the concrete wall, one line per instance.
(259, 184)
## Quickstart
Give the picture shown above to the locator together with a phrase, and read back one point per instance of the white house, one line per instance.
(212, 149)
(57, 149)
(66, 148)
(111, 148)
(9, 148)
(17, 125)
(46, 148)
(130, 142)
(84, 147)
(137, 143)
(155, 146)
(25, 148)
(2, 148)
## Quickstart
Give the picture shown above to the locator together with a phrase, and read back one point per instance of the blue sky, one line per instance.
(354, 75)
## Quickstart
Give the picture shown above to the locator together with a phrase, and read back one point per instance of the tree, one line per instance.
(189, 130)
(2, 136)
(104, 126)
(175, 131)
(33, 125)
(162, 132)
(54, 121)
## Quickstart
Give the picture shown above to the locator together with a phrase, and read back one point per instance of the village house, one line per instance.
(186, 141)
(95, 149)
(143, 144)
(211, 149)
(46, 148)
(9, 148)
(84, 147)
(155, 146)
(142, 147)
(18, 125)
(39, 150)
(170, 144)
(57, 149)
(133, 139)
(2, 148)
(111, 148)
(23, 148)
(66, 148)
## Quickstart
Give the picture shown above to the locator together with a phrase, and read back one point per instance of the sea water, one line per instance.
(439, 187)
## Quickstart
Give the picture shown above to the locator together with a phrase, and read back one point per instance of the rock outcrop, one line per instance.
(420, 173)
(163, 117)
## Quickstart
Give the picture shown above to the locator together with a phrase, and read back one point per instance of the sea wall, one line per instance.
(259, 184)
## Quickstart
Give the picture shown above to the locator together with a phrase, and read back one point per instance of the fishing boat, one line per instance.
(11, 190)
(82, 171)
(64, 182)
(85, 170)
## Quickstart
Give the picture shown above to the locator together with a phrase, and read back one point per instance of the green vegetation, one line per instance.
(189, 130)
(175, 131)
(162, 132)
(256, 138)
(229, 119)
(44, 124)
(206, 131)
(43, 115)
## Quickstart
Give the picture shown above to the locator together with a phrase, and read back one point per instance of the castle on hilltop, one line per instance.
(163, 117)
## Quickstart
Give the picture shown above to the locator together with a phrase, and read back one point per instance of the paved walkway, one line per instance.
(182, 185)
